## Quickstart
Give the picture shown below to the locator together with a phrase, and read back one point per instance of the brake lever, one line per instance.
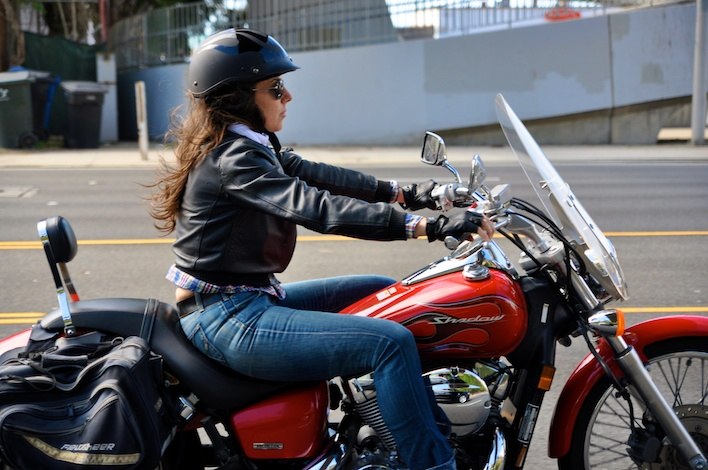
(451, 243)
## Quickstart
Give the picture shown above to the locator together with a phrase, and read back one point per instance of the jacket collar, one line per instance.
(244, 130)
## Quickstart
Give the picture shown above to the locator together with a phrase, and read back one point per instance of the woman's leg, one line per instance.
(266, 339)
(332, 294)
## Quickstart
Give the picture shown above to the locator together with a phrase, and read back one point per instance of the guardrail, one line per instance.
(168, 35)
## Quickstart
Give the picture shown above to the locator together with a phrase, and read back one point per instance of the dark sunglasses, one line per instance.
(277, 90)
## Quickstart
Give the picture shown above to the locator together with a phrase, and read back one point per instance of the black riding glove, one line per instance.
(456, 226)
(417, 196)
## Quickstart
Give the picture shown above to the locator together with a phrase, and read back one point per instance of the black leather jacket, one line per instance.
(242, 203)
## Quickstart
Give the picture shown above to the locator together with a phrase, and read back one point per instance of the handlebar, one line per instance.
(451, 195)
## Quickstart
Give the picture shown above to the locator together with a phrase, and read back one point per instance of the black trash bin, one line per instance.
(42, 88)
(84, 104)
(16, 121)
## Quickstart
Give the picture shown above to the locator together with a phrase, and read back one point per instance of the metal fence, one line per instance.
(168, 35)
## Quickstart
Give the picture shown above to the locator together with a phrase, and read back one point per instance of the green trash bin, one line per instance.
(16, 119)
(84, 106)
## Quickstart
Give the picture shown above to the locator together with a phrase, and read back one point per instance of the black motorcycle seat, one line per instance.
(217, 387)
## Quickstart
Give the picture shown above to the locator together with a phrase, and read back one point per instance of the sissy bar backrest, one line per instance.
(60, 247)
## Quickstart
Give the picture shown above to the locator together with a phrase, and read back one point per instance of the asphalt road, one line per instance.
(656, 214)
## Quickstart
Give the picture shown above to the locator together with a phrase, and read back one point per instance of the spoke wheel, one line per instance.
(679, 368)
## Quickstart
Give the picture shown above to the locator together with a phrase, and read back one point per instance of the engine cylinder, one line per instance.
(367, 406)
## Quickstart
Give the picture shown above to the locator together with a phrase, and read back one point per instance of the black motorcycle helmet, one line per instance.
(233, 56)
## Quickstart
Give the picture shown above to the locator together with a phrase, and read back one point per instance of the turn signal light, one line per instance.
(608, 322)
(620, 322)
(546, 379)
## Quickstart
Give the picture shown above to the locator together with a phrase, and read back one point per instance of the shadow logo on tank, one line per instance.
(457, 325)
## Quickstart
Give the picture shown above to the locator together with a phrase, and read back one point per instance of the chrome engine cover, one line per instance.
(464, 397)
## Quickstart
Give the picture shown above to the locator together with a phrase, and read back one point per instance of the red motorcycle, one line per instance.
(486, 331)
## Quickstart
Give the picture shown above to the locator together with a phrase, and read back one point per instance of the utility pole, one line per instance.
(698, 102)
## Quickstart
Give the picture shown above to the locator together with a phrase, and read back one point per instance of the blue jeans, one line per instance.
(295, 339)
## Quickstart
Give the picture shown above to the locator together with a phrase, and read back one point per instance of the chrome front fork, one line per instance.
(634, 370)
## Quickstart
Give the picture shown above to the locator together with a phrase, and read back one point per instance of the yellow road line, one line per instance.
(664, 309)
(677, 233)
(20, 318)
(22, 245)
(36, 245)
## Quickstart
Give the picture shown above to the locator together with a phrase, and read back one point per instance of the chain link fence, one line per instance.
(168, 35)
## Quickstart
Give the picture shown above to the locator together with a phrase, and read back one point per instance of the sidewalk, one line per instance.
(127, 155)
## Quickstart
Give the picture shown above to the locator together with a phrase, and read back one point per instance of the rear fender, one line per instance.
(14, 341)
(589, 372)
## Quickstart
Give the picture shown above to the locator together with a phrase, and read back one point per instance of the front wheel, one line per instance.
(679, 368)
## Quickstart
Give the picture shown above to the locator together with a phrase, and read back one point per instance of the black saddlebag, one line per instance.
(84, 404)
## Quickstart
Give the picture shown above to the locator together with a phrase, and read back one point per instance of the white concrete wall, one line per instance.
(542, 70)
(392, 93)
(652, 54)
(365, 94)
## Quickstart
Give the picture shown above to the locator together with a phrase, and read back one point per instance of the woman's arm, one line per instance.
(338, 180)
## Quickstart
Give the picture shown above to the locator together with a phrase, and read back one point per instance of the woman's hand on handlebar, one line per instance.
(417, 196)
(459, 226)
(487, 229)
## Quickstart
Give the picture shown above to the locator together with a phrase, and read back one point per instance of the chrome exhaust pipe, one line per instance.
(497, 455)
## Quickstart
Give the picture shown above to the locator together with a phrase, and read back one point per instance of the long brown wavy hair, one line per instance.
(196, 134)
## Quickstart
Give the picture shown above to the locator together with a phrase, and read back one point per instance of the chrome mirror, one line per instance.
(478, 173)
(434, 152)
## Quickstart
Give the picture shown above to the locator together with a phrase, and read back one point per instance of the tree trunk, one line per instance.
(12, 51)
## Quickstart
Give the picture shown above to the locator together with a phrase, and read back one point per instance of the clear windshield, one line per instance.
(562, 206)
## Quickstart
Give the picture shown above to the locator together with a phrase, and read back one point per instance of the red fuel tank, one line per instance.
(452, 316)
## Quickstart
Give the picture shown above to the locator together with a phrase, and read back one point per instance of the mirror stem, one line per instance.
(453, 170)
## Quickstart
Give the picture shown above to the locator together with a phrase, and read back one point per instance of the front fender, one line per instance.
(589, 371)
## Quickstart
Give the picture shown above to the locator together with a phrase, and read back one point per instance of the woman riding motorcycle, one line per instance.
(235, 199)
